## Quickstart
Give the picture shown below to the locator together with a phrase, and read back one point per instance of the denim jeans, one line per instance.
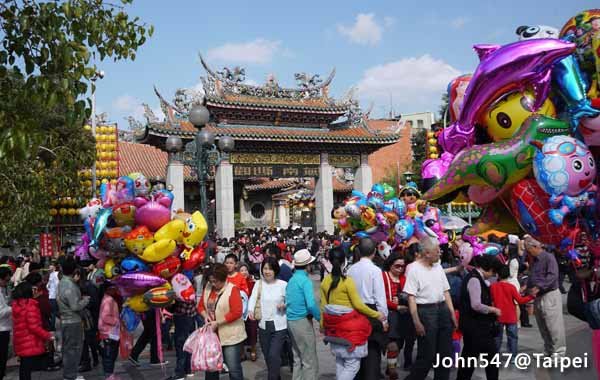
(271, 344)
(232, 355)
(72, 336)
(512, 338)
(184, 326)
(53, 313)
(4, 341)
(110, 351)
(437, 340)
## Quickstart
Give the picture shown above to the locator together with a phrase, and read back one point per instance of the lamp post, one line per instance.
(97, 75)
(407, 176)
(201, 152)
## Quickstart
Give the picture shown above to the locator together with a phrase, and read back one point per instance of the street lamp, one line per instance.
(97, 75)
(202, 151)
(407, 176)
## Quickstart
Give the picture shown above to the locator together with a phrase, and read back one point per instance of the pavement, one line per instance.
(579, 344)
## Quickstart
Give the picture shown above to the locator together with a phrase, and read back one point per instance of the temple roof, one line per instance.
(146, 159)
(284, 184)
(267, 113)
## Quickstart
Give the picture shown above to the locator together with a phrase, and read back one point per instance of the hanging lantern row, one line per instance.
(432, 145)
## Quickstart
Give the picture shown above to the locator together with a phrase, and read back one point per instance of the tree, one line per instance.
(443, 110)
(45, 65)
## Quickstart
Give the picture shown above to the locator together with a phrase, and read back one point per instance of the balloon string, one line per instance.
(157, 319)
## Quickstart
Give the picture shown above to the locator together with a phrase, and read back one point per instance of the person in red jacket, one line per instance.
(29, 336)
(504, 295)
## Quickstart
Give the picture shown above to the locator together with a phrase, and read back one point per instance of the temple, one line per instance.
(296, 140)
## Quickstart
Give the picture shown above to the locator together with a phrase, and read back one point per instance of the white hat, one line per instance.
(513, 239)
(302, 258)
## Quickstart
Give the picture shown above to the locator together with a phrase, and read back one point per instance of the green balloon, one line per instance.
(388, 192)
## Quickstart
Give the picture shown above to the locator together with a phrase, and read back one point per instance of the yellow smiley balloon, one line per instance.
(504, 118)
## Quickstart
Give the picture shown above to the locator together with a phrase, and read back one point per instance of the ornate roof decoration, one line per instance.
(228, 84)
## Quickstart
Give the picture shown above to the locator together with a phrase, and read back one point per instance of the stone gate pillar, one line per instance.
(224, 199)
(363, 179)
(282, 215)
(175, 180)
(324, 196)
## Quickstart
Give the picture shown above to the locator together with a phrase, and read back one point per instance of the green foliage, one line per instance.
(419, 148)
(46, 61)
(49, 45)
(443, 110)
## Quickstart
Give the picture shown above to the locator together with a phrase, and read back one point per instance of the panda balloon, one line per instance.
(528, 32)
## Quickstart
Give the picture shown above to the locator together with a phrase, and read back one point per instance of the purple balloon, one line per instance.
(504, 69)
(153, 213)
(130, 284)
(436, 168)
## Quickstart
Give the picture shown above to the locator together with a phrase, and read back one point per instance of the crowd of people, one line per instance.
(257, 289)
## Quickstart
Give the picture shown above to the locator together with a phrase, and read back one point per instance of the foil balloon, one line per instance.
(496, 166)
(432, 219)
(90, 210)
(403, 230)
(153, 213)
(530, 205)
(528, 32)
(384, 250)
(161, 296)
(111, 269)
(505, 117)
(474, 242)
(589, 128)
(504, 69)
(100, 224)
(141, 185)
(492, 249)
(132, 264)
(124, 192)
(137, 304)
(124, 214)
(114, 239)
(98, 277)
(167, 268)
(465, 253)
(184, 229)
(456, 95)
(138, 282)
(388, 192)
(98, 253)
(434, 169)
(107, 194)
(130, 319)
(565, 168)
(184, 291)
(82, 250)
(196, 258)
(159, 251)
(375, 197)
(138, 240)
(396, 206)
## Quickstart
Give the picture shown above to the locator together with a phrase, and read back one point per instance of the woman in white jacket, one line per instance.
(267, 305)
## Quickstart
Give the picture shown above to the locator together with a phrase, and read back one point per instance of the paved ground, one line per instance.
(578, 342)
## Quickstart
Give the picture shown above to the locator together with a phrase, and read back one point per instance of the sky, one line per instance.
(399, 55)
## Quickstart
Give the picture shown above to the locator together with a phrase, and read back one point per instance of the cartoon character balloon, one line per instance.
(403, 230)
(141, 185)
(565, 168)
(184, 291)
(139, 239)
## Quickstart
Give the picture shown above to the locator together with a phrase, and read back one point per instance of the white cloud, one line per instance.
(365, 31)
(415, 84)
(129, 105)
(259, 51)
(458, 22)
(388, 21)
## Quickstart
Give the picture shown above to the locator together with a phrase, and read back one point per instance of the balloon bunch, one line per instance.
(520, 129)
(385, 218)
(147, 252)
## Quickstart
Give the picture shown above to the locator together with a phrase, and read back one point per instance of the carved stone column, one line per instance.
(282, 214)
(224, 200)
(324, 196)
(363, 179)
(175, 180)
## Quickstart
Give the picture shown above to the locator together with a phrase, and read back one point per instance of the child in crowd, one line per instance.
(504, 297)
(109, 330)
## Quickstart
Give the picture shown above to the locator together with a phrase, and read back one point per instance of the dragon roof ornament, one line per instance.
(230, 82)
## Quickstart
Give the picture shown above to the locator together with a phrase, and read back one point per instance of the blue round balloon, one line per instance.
(404, 229)
(132, 264)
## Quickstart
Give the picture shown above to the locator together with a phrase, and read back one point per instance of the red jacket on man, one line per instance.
(29, 335)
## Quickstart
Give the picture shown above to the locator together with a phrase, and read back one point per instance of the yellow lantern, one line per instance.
(87, 127)
(432, 142)
(72, 211)
(433, 156)
(113, 181)
(62, 211)
(53, 212)
(113, 173)
(432, 149)
(104, 180)
(53, 203)
(430, 135)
